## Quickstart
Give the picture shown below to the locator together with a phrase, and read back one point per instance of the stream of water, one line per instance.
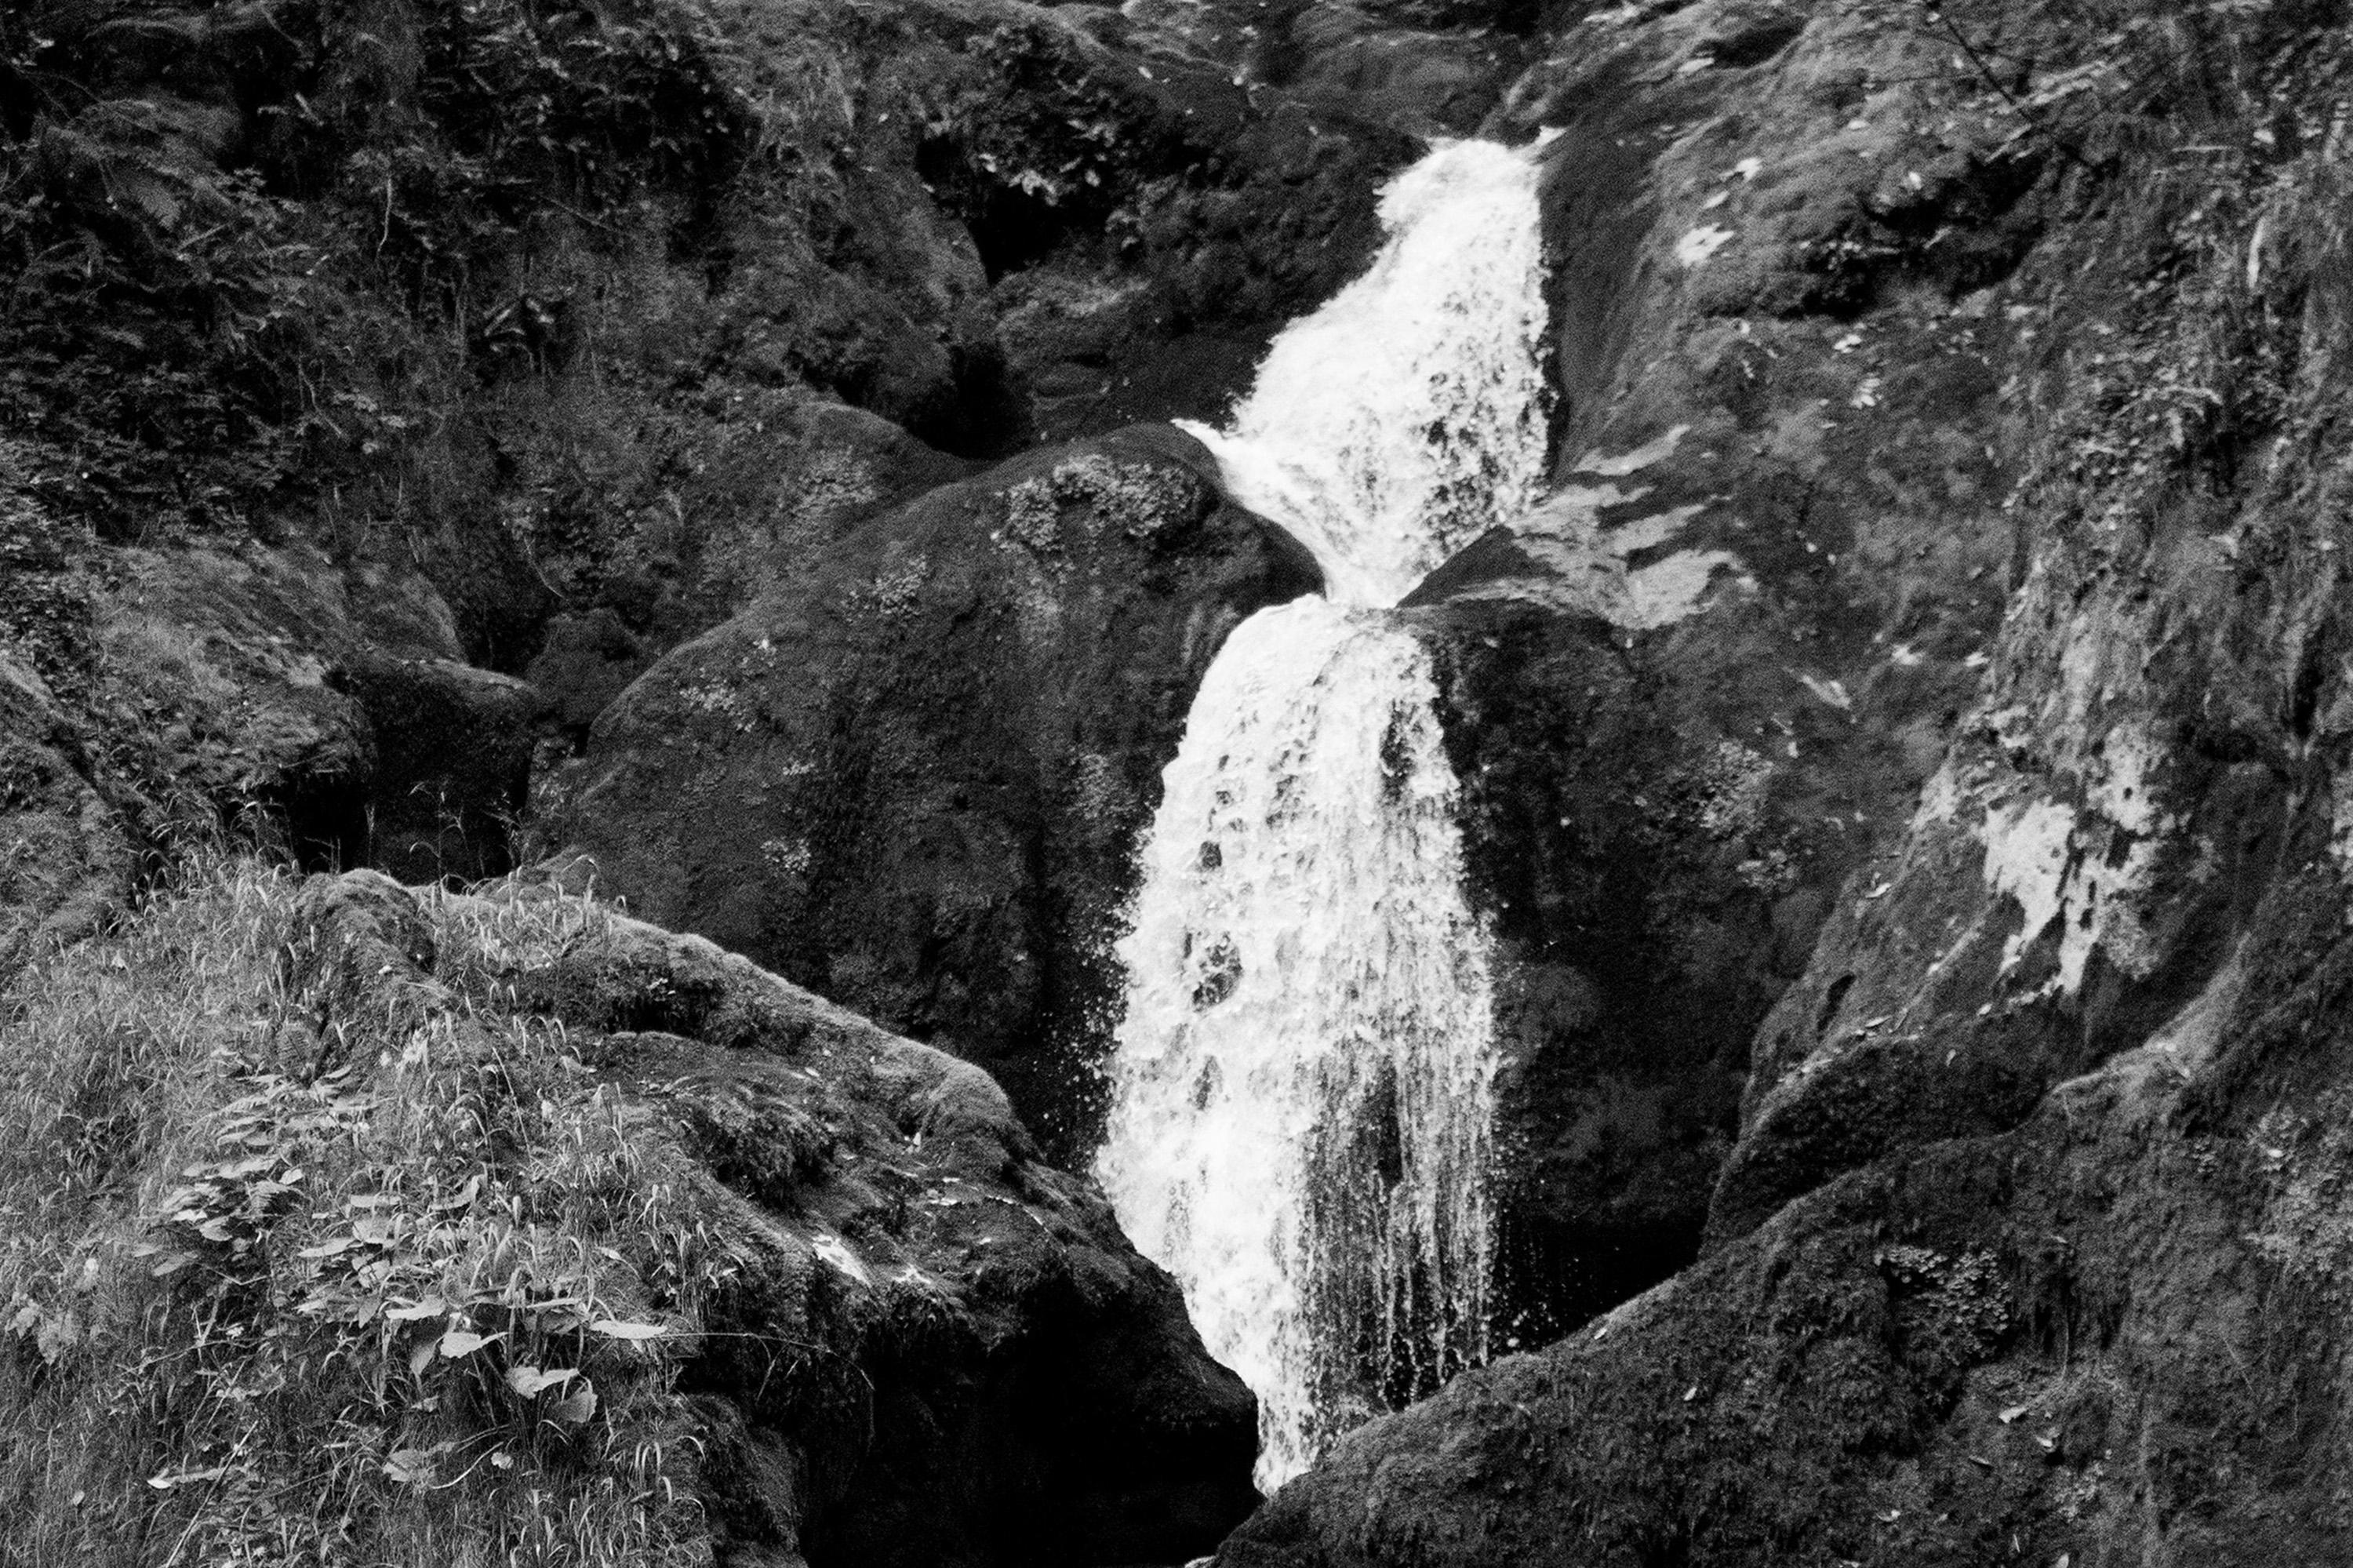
(1303, 1086)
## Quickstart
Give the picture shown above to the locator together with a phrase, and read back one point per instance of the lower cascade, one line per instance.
(1305, 1082)
(1302, 1087)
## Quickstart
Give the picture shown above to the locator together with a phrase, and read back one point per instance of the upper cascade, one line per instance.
(1394, 425)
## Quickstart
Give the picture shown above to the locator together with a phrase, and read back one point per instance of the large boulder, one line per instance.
(912, 777)
(453, 763)
(926, 1347)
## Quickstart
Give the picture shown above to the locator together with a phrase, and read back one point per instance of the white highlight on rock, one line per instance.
(1303, 1088)
(1650, 454)
(1587, 567)
(2028, 847)
(2089, 870)
(1694, 249)
(836, 1254)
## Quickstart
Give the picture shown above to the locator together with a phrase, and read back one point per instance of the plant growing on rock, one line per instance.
(394, 1281)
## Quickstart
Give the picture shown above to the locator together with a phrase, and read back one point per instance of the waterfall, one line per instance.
(1391, 427)
(1303, 1086)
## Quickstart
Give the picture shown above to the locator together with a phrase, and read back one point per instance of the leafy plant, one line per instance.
(1037, 144)
(420, 1306)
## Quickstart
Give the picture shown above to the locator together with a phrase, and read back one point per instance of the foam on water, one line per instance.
(1303, 1088)
(1405, 415)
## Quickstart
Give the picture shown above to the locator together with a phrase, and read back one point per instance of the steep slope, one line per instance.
(2023, 1252)
(344, 1223)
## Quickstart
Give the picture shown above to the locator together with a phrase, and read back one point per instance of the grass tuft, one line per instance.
(423, 1307)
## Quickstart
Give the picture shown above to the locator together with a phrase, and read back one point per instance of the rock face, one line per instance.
(587, 332)
(1691, 694)
(2017, 1254)
(2058, 1341)
(70, 854)
(912, 776)
(324, 703)
(453, 774)
(983, 1371)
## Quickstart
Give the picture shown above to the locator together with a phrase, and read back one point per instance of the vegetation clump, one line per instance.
(300, 1267)
(229, 232)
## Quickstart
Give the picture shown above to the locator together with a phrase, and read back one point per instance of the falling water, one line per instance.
(1304, 1083)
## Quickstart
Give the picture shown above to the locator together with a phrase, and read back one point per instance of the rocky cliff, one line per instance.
(697, 448)
(2018, 1251)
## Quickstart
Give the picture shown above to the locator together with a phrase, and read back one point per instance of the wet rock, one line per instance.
(2013, 1256)
(912, 777)
(1440, 72)
(2001, 1348)
(1706, 678)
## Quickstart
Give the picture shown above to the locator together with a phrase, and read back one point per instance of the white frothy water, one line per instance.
(1397, 423)
(1303, 1088)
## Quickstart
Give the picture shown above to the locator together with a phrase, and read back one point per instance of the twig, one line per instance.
(1936, 13)
(572, 211)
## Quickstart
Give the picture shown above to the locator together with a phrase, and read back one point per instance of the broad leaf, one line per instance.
(577, 1406)
(530, 1381)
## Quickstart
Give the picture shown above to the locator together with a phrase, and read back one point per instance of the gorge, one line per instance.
(1312, 782)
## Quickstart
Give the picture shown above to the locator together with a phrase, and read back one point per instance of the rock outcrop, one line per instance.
(912, 776)
(1693, 692)
(2017, 1254)
(928, 1347)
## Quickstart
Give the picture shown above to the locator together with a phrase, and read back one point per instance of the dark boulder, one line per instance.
(453, 764)
(911, 777)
